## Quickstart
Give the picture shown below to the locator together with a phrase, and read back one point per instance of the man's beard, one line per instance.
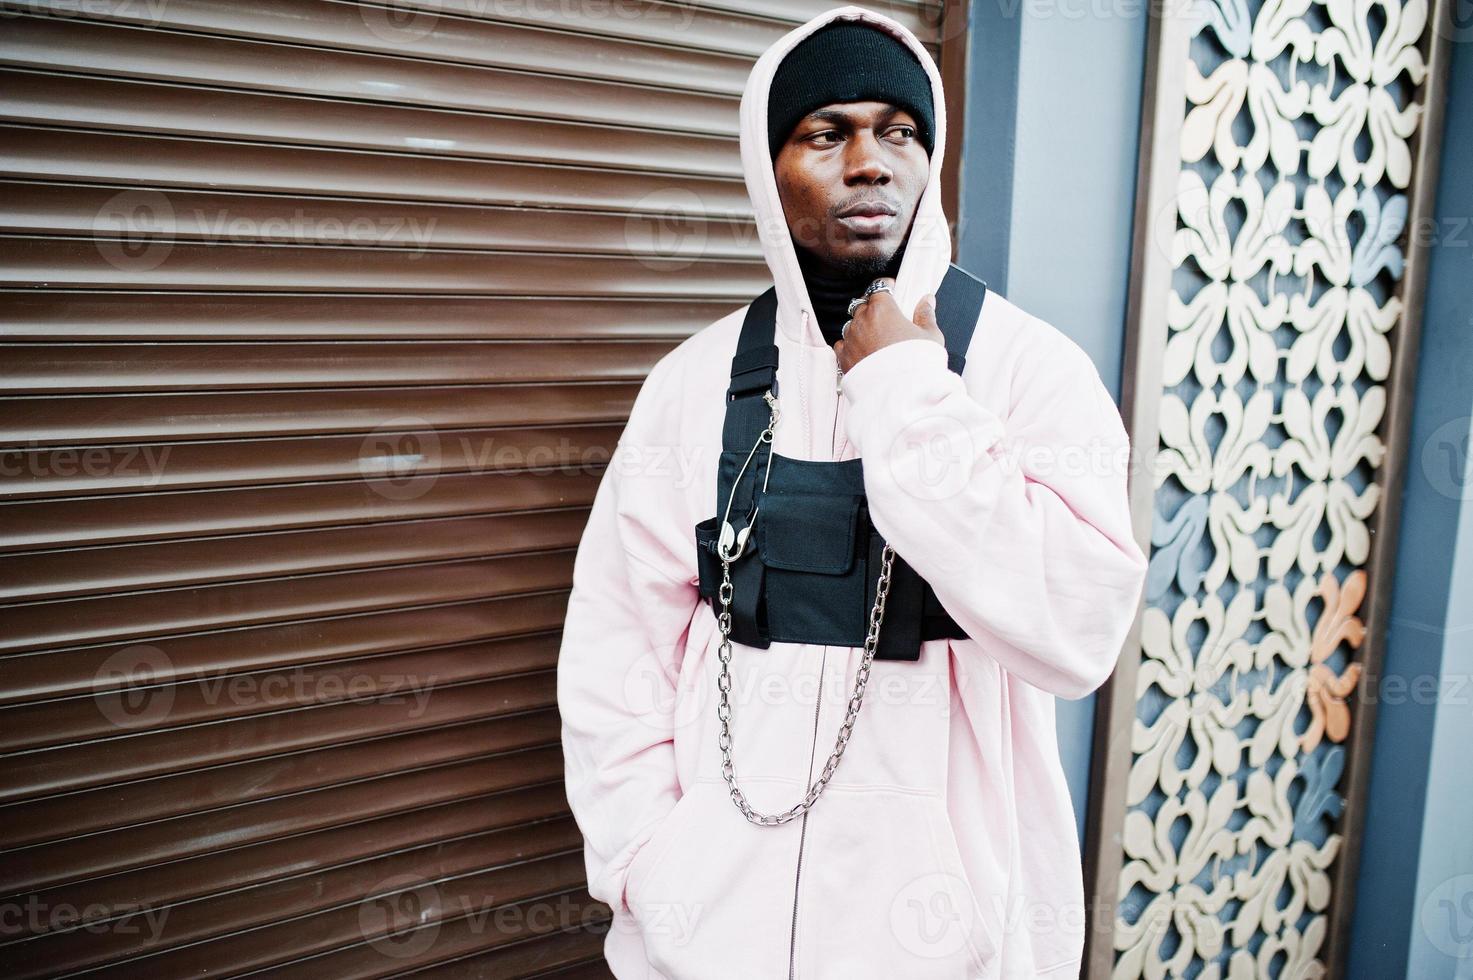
(866, 266)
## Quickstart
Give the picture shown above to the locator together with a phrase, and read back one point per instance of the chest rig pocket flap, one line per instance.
(809, 532)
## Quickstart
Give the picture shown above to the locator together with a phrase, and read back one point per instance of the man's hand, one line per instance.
(878, 323)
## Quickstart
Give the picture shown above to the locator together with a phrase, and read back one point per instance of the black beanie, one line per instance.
(848, 61)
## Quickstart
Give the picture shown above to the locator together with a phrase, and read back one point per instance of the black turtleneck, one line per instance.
(831, 290)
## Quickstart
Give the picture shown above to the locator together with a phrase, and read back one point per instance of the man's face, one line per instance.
(850, 176)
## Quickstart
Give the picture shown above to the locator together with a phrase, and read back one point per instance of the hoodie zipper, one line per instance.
(817, 710)
(835, 443)
(817, 706)
(803, 831)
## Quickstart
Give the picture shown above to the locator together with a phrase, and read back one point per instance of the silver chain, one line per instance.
(856, 698)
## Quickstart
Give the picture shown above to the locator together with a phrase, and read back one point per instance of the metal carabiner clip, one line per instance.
(731, 542)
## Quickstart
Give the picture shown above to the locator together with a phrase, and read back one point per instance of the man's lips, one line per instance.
(868, 209)
(868, 218)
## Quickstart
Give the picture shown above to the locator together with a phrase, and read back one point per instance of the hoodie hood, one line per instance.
(927, 250)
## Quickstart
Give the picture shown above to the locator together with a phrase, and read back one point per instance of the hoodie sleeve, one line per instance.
(1021, 525)
(628, 614)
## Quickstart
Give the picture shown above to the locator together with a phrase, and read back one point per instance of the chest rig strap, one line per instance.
(772, 598)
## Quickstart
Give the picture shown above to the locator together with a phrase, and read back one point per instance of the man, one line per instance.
(943, 844)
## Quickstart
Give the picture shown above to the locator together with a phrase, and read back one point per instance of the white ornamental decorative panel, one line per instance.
(1289, 144)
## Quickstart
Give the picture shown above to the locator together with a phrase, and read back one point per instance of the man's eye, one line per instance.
(827, 136)
(904, 132)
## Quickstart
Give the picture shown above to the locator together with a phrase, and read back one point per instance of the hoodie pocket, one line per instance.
(648, 857)
(884, 892)
(716, 899)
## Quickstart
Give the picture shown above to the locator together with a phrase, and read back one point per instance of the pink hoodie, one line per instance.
(945, 844)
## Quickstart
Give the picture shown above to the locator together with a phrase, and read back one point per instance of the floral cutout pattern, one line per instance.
(1291, 209)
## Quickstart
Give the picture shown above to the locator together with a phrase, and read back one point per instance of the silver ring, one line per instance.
(844, 330)
(857, 302)
(878, 286)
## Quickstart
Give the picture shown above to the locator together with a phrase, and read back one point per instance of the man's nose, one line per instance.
(864, 163)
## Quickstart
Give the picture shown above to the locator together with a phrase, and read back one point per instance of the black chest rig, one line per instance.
(806, 571)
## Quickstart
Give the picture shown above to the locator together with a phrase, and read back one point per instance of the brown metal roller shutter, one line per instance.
(319, 322)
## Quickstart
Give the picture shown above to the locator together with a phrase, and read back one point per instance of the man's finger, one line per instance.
(888, 294)
(925, 316)
(881, 298)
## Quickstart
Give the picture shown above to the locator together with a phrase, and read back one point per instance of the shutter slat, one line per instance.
(38, 98)
(92, 672)
(251, 844)
(459, 911)
(459, 40)
(104, 316)
(58, 574)
(377, 456)
(132, 418)
(99, 263)
(126, 804)
(116, 618)
(90, 764)
(572, 915)
(411, 677)
(510, 861)
(178, 162)
(65, 210)
(37, 368)
(38, 43)
(96, 521)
